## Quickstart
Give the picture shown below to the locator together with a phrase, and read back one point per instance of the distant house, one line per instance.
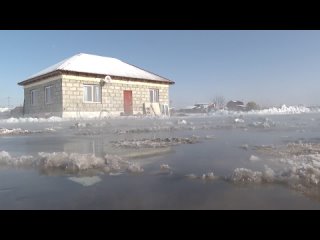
(236, 106)
(88, 85)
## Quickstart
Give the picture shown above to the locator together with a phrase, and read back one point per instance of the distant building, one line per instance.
(88, 85)
(236, 106)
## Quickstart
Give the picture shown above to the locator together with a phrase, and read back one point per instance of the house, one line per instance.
(236, 106)
(88, 85)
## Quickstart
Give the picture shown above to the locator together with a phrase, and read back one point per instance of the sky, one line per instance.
(269, 67)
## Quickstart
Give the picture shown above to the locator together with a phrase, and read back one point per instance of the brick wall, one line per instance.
(112, 94)
(41, 108)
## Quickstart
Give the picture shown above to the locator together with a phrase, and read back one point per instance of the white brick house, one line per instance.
(89, 85)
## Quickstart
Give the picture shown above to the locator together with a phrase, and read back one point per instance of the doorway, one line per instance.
(127, 97)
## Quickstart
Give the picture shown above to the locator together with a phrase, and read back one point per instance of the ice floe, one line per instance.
(71, 162)
(155, 142)
(86, 181)
(164, 167)
(254, 158)
(13, 131)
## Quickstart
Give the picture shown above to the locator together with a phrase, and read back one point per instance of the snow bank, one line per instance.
(270, 111)
(4, 110)
(32, 120)
(282, 110)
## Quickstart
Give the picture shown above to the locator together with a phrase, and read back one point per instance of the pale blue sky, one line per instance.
(269, 67)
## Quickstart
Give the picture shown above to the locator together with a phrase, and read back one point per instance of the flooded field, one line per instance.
(227, 161)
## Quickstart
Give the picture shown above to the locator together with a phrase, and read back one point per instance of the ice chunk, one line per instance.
(182, 122)
(208, 176)
(191, 176)
(238, 120)
(244, 146)
(244, 175)
(254, 158)
(85, 181)
(269, 174)
(164, 167)
(32, 120)
(13, 131)
(135, 168)
(4, 157)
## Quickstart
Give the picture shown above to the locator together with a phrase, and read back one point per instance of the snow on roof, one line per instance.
(88, 63)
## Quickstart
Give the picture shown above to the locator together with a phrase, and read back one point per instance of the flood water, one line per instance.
(186, 162)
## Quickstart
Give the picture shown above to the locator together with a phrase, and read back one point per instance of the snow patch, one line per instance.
(282, 110)
(270, 111)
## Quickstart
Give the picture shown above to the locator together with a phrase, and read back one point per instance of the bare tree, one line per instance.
(219, 101)
(252, 106)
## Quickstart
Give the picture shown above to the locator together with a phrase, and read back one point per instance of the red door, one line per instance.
(127, 96)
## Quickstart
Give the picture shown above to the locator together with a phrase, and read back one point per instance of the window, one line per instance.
(154, 95)
(48, 94)
(91, 93)
(34, 97)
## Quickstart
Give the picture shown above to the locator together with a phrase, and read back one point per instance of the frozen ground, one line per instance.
(226, 160)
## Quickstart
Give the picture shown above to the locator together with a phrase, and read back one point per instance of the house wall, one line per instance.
(42, 109)
(112, 96)
(68, 97)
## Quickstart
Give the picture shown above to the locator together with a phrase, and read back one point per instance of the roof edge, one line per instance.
(60, 72)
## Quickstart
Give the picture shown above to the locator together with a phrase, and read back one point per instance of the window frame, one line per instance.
(33, 97)
(51, 95)
(155, 95)
(92, 86)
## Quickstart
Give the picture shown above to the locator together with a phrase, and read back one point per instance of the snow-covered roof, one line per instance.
(88, 63)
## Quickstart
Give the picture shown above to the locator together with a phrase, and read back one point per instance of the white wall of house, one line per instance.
(68, 99)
